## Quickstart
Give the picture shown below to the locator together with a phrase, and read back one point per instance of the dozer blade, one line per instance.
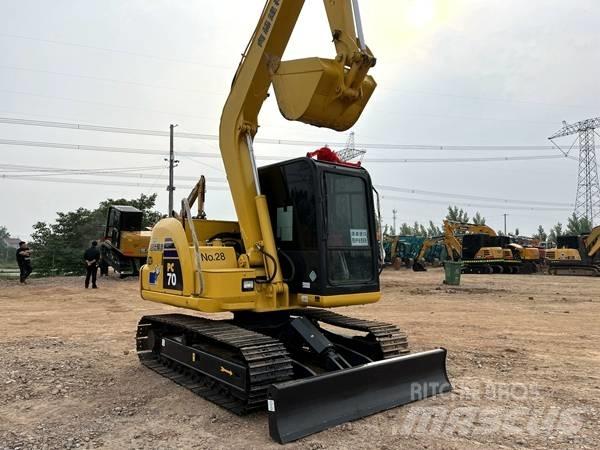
(302, 407)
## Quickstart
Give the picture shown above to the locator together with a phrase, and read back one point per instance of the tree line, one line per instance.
(454, 214)
(57, 248)
(574, 226)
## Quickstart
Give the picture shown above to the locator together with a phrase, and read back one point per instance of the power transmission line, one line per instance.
(269, 157)
(99, 148)
(468, 159)
(113, 80)
(113, 50)
(107, 184)
(118, 173)
(125, 172)
(468, 196)
(303, 143)
(232, 68)
(110, 105)
(473, 205)
(47, 171)
(99, 182)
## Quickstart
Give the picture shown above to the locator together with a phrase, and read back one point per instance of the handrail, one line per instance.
(199, 280)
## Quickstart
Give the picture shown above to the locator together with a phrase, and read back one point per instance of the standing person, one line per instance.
(103, 265)
(91, 257)
(24, 261)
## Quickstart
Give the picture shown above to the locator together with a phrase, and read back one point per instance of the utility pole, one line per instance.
(172, 164)
(505, 223)
(394, 212)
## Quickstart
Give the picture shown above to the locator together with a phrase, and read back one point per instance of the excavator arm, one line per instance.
(299, 90)
(197, 194)
(472, 228)
(453, 245)
(592, 242)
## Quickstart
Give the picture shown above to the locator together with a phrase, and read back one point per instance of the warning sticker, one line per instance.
(359, 237)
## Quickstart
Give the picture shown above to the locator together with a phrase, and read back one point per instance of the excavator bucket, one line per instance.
(310, 90)
(302, 407)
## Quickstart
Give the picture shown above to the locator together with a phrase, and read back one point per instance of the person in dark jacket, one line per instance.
(24, 261)
(91, 257)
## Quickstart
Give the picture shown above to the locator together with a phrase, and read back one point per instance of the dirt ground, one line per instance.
(523, 359)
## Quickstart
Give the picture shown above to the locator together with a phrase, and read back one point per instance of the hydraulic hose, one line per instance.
(272, 277)
(292, 266)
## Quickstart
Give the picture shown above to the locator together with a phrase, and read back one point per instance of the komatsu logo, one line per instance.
(266, 26)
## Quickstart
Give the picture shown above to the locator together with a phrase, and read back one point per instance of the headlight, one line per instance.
(247, 285)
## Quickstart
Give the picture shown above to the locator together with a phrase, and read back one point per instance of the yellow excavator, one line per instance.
(575, 254)
(478, 253)
(305, 240)
(451, 244)
(125, 244)
(481, 250)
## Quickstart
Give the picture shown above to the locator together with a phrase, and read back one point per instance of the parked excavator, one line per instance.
(476, 255)
(401, 250)
(307, 242)
(575, 254)
(451, 244)
(125, 244)
(481, 250)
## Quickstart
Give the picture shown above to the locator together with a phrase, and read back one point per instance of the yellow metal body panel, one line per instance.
(207, 229)
(134, 243)
(563, 254)
(492, 253)
(222, 279)
(530, 254)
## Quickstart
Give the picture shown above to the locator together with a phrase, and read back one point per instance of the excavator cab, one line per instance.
(324, 222)
(315, 91)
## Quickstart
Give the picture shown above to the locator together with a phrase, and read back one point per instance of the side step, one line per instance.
(301, 407)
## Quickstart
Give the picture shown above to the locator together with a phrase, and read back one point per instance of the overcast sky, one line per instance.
(449, 72)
